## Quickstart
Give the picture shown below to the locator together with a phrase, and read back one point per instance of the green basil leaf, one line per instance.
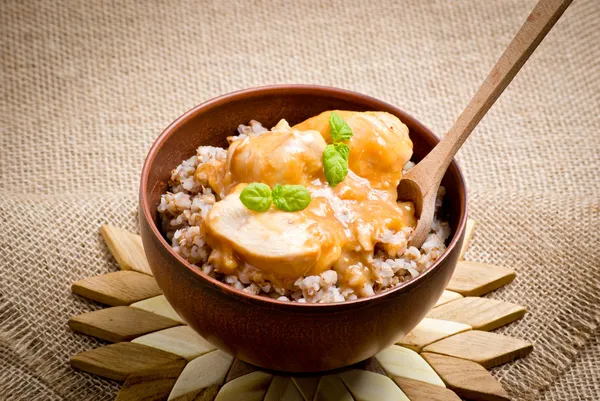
(291, 198)
(256, 196)
(335, 164)
(343, 150)
(340, 130)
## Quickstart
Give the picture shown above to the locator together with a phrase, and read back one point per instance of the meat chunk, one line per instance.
(379, 148)
(282, 156)
(289, 245)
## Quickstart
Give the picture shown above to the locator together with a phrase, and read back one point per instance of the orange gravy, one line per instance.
(342, 224)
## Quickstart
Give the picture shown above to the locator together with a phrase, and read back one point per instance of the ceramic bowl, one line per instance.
(273, 334)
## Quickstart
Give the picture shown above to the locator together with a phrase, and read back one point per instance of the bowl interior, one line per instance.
(211, 122)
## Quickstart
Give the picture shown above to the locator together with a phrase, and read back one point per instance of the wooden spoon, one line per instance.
(420, 184)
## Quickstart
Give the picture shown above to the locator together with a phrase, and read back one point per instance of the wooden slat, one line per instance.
(372, 365)
(429, 331)
(127, 248)
(332, 388)
(180, 340)
(403, 362)
(117, 288)
(467, 379)
(239, 368)
(202, 377)
(469, 230)
(479, 313)
(153, 384)
(307, 386)
(474, 279)
(369, 386)
(119, 323)
(250, 387)
(119, 361)
(447, 296)
(487, 349)
(283, 389)
(421, 391)
(160, 306)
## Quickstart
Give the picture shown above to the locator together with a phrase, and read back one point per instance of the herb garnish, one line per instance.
(335, 156)
(290, 198)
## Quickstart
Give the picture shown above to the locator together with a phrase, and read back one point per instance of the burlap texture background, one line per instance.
(85, 86)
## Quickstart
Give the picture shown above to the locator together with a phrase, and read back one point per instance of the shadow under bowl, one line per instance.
(278, 335)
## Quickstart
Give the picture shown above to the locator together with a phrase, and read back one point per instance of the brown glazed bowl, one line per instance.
(273, 334)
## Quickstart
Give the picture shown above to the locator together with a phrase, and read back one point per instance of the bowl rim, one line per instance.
(259, 299)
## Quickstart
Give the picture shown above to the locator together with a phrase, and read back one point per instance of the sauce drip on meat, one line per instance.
(341, 227)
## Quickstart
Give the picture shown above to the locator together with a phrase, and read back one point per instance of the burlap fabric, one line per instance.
(87, 85)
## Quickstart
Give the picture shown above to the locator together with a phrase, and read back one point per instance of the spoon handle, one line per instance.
(538, 24)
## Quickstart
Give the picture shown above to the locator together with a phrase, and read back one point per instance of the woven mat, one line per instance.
(85, 86)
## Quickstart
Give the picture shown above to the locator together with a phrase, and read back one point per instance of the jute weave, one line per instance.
(85, 87)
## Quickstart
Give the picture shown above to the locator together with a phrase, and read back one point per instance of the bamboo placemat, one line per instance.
(158, 356)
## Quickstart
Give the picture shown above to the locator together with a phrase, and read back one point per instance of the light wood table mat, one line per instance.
(159, 357)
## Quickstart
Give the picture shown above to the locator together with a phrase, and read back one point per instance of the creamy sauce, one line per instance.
(342, 225)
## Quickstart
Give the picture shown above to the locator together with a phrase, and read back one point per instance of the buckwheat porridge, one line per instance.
(305, 213)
